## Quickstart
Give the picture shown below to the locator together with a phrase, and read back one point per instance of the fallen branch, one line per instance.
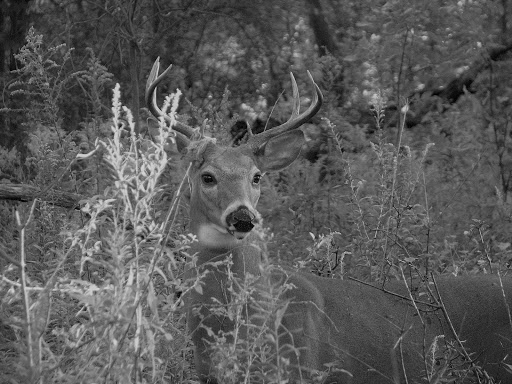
(26, 193)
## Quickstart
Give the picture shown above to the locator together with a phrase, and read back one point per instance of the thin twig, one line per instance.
(395, 171)
(435, 306)
(23, 278)
(505, 299)
(449, 322)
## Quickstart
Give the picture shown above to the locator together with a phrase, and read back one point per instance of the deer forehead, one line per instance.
(227, 163)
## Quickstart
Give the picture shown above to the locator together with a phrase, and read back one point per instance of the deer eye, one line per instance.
(256, 179)
(208, 179)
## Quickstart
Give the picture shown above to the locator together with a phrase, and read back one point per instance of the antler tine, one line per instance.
(296, 98)
(151, 84)
(296, 119)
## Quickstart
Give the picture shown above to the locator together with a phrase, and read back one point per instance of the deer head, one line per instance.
(225, 181)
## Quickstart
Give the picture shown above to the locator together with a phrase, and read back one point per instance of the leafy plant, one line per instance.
(99, 311)
(42, 80)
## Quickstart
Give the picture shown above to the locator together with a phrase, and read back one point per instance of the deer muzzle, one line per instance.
(242, 220)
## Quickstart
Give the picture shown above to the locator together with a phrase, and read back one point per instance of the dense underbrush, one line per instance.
(93, 295)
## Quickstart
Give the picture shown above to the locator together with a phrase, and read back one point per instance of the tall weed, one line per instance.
(105, 310)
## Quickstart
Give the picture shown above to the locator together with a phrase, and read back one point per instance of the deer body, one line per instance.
(360, 327)
(379, 338)
(371, 335)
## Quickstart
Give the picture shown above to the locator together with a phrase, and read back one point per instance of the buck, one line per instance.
(362, 334)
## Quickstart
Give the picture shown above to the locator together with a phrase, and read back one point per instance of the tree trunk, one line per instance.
(320, 27)
(134, 58)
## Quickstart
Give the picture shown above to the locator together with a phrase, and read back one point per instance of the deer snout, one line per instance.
(242, 219)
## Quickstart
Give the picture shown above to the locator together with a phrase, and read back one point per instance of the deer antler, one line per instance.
(184, 132)
(295, 120)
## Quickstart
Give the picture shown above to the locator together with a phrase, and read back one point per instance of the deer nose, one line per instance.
(241, 219)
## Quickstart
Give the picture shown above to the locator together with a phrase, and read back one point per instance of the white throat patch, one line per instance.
(215, 236)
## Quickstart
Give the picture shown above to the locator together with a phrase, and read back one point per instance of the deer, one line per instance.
(355, 332)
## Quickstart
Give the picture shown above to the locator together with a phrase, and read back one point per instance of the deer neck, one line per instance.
(214, 246)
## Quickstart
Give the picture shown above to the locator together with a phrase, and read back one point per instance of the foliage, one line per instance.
(96, 308)
(42, 81)
(248, 352)
(95, 80)
(395, 186)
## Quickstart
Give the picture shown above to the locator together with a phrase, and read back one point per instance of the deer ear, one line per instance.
(280, 151)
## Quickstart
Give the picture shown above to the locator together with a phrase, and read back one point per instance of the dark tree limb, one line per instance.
(24, 192)
(449, 93)
(455, 88)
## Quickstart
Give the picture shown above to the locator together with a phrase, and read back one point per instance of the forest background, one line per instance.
(407, 169)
